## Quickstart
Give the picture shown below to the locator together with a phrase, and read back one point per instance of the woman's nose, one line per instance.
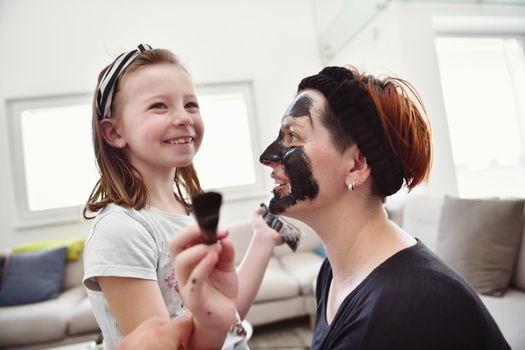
(270, 163)
(272, 155)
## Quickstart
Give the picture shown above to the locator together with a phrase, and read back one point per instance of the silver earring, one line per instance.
(351, 186)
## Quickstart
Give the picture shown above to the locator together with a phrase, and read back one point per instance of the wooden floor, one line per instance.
(293, 334)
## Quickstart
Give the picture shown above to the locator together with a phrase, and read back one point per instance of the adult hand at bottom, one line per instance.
(157, 334)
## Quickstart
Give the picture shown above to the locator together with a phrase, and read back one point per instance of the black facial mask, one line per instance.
(296, 164)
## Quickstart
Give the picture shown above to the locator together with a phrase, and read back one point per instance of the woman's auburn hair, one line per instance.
(120, 182)
(405, 123)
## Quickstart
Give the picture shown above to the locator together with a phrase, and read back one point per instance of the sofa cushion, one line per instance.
(38, 322)
(480, 238)
(82, 320)
(303, 267)
(33, 277)
(508, 313)
(276, 284)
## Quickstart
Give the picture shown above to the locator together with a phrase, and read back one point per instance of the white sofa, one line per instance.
(286, 292)
(64, 320)
(420, 216)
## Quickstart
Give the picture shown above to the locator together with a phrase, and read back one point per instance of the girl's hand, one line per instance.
(206, 278)
(262, 232)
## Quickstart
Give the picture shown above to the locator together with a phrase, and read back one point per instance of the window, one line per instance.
(227, 158)
(483, 81)
(54, 166)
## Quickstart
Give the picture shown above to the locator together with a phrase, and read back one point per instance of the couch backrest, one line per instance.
(519, 274)
(240, 234)
(73, 274)
(421, 216)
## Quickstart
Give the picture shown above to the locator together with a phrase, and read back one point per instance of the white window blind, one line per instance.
(483, 82)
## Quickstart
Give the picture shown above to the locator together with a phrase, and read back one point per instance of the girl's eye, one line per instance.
(192, 105)
(159, 105)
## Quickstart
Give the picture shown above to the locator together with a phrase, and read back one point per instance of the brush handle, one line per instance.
(290, 234)
(208, 226)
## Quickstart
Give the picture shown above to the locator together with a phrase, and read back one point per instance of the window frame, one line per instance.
(24, 217)
(481, 27)
(245, 87)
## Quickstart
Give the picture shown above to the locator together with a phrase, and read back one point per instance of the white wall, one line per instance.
(58, 47)
(400, 41)
(54, 47)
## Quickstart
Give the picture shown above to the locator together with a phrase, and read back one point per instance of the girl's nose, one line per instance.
(182, 118)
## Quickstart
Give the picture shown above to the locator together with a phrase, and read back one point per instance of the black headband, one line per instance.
(106, 87)
(359, 117)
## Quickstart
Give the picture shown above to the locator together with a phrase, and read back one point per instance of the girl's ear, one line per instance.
(358, 169)
(111, 134)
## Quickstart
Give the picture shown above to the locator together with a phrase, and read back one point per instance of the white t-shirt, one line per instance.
(125, 242)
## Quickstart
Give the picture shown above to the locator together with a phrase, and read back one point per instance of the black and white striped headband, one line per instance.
(106, 87)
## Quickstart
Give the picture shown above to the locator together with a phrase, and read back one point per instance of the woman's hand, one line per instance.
(207, 282)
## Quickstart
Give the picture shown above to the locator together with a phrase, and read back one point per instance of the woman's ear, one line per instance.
(358, 169)
(111, 134)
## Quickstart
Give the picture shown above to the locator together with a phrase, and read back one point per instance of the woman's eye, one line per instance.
(291, 138)
(159, 105)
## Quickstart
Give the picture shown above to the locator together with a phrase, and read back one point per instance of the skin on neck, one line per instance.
(358, 237)
(160, 192)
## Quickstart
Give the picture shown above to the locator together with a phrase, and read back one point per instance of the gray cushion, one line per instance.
(33, 277)
(479, 238)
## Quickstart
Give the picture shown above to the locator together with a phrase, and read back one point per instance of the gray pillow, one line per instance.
(480, 238)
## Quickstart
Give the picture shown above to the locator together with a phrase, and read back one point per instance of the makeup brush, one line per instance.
(206, 207)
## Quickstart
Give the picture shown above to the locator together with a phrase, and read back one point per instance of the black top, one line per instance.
(411, 301)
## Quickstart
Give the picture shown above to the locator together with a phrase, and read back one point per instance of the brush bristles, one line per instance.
(206, 203)
(206, 207)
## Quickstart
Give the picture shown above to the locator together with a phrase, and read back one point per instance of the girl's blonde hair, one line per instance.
(120, 182)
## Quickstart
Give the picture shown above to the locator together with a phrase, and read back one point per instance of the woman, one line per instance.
(347, 142)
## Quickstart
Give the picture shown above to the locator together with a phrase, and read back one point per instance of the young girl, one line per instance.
(146, 130)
